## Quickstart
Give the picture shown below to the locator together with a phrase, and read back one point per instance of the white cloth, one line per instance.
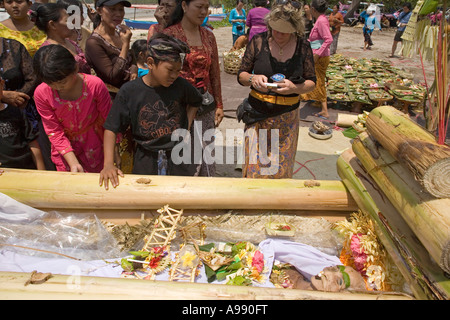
(12, 210)
(306, 259)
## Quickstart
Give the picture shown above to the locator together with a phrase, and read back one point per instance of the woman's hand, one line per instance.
(110, 173)
(160, 15)
(15, 98)
(125, 33)
(258, 81)
(286, 87)
(218, 117)
(316, 58)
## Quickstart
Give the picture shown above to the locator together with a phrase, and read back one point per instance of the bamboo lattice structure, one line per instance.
(165, 228)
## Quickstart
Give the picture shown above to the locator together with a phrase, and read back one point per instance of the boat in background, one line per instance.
(138, 24)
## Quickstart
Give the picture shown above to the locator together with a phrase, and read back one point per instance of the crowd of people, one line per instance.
(81, 100)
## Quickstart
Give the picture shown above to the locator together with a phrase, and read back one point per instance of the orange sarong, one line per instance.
(320, 92)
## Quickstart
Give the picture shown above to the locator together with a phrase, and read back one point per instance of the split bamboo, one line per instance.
(428, 217)
(65, 190)
(413, 147)
(424, 277)
(60, 287)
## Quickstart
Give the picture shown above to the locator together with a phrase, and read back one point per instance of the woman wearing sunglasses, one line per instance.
(278, 66)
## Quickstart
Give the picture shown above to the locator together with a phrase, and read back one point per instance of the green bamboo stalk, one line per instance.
(429, 218)
(425, 279)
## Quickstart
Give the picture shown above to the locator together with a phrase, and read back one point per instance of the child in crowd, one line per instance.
(154, 105)
(139, 49)
(19, 147)
(73, 107)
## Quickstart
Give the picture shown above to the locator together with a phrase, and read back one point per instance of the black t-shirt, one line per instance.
(153, 113)
(16, 133)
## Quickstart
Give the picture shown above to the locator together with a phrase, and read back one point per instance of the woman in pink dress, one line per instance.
(320, 39)
(255, 18)
(73, 107)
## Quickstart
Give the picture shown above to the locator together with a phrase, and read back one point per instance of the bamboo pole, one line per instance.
(61, 287)
(64, 190)
(424, 277)
(427, 216)
(413, 147)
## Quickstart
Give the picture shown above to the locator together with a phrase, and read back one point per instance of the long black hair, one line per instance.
(53, 63)
(45, 13)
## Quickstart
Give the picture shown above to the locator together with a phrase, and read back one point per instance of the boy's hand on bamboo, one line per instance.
(110, 173)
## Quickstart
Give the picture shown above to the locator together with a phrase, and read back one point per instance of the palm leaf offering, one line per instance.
(363, 81)
(379, 95)
(359, 97)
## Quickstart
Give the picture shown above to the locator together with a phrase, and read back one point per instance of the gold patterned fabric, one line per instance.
(32, 39)
(260, 163)
(320, 92)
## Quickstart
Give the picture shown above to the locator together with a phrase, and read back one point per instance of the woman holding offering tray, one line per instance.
(280, 55)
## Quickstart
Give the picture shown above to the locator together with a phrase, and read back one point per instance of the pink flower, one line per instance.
(258, 261)
(359, 257)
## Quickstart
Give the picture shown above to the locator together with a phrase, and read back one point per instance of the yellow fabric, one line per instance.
(320, 92)
(32, 39)
(288, 101)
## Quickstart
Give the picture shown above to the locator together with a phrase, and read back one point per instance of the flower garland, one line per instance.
(152, 262)
(363, 251)
(243, 266)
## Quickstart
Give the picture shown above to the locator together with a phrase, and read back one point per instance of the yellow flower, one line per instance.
(188, 259)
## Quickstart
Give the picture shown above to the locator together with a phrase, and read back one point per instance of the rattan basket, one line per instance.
(232, 61)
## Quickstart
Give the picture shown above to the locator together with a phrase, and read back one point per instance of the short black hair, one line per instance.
(53, 63)
(320, 5)
(408, 5)
(260, 3)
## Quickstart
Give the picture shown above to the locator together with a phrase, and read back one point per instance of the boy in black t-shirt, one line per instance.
(154, 105)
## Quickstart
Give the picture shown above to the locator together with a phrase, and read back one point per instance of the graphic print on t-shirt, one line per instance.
(7, 129)
(158, 120)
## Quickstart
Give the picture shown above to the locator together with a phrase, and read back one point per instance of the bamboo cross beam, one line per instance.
(74, 191)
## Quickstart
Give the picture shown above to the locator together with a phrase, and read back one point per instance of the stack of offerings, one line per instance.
(369, 81)
(399, 176)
